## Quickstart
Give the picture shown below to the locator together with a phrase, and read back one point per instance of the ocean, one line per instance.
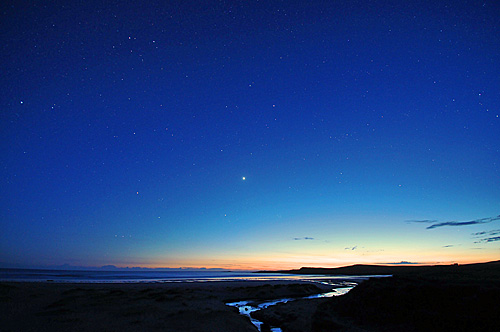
(32, 275)
(117, 276)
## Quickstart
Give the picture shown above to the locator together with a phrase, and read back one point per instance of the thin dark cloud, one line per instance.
(425, 221)
(454, 223)
(487, 236)
(487, 233)
(403, 263)
(303, 238)
(489, 219)
(489, 239)
(351, 248)
(463, 223)
(448, 246)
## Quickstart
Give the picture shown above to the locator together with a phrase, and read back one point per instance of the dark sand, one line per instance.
(137, 307)
(442, 298)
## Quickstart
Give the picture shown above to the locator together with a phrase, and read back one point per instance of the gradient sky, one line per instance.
(249, 134)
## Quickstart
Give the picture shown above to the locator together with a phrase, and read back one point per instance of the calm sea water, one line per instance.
(118, 276)
(148, 276)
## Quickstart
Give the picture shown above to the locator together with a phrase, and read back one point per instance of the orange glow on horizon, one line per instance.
(274, 266)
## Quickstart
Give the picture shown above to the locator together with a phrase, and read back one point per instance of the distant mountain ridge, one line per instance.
(362, 269)
(110, 268)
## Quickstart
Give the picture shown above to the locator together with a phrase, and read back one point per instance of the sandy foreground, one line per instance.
(138, 306)
(442, 298)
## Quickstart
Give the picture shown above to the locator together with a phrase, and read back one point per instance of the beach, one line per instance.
(415, 299)
(173, 306)
(426, 298)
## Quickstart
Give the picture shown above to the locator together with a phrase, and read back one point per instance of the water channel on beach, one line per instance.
(247, 307)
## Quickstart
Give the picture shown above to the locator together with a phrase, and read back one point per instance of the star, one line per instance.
(243, 178)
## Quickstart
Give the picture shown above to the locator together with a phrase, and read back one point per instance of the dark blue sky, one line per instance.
(127, 129)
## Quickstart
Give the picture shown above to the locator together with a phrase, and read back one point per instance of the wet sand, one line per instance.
(138, 306)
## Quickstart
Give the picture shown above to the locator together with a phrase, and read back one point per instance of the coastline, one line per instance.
(475, 269)
(179, 306)
(442, 298)
(416, 299)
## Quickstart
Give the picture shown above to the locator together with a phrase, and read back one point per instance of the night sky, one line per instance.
(249, 134)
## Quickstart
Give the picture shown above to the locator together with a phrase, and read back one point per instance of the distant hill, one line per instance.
(487, 270)
(416, 298)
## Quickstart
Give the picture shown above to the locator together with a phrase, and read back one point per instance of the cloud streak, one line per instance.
(425, 221)
(303, 238)
(489, 239)
(436, 224)
(487, 236)
(487, 233)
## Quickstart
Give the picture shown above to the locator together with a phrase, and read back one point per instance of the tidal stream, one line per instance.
(250, 306)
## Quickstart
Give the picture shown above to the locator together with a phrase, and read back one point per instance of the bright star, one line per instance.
(243, 178)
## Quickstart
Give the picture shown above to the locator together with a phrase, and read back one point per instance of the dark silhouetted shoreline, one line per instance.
(478, 270)
(416, 298)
